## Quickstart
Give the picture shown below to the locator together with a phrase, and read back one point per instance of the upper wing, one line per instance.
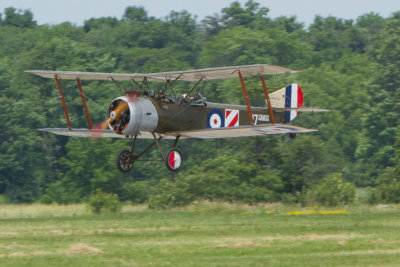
(241, 131)
(186, 75)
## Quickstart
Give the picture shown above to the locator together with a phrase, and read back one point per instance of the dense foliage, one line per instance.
(351, 67)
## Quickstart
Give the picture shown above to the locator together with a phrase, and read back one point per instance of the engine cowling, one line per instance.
(128, 116)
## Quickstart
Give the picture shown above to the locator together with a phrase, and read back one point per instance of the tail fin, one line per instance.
(289, 97)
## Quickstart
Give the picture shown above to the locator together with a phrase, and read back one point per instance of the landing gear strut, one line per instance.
(173, 158)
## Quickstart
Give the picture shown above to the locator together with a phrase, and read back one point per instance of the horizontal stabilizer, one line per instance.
(302, 109)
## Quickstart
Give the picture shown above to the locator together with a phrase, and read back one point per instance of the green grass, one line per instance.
(206, 234)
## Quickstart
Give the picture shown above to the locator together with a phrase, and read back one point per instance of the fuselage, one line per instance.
(151, 114)
(185, 116)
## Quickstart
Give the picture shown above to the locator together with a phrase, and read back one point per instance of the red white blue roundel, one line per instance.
(215, 119)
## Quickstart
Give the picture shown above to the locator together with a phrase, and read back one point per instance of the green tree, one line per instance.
(304, 163)
(99, 23)
(235, 15)
(88, 166)
(388, 188)
(251, 15)
(135, 14)
(380, 122)
(241, 46)
(372, 24)
(229, 178)
(332, 191)
(332, 38)
(23, 19)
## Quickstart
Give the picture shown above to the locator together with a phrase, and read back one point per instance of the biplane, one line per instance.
(145, 113)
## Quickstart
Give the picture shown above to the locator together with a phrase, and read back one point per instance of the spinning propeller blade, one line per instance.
(114, 115)
(132, 96)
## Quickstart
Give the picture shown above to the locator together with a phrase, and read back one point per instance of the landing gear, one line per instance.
(125, 160)
(173, 158)
(292, 135)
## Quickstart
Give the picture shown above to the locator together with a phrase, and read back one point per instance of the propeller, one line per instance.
(122, 106)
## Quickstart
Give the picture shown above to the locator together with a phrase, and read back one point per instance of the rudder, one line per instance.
(288, 97)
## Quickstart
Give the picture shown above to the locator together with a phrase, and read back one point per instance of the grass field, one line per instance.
(206, 234)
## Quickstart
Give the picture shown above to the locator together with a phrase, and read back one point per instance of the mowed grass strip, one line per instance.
(214, 235)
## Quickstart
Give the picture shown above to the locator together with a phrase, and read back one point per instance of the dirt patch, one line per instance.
(58, 232)
(238, 245)
(83, 249)
(342, 243)
(311, 237)
(18, 254)
(41, 253)
(369, 252)
(9, 234)
(379, 241)
(26, 254)
(78, 248)
(230, 242)
(245, 245)
(15, 245)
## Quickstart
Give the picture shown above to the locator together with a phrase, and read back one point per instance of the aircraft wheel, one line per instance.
(173, 159)
(292, 135)
(125, 160)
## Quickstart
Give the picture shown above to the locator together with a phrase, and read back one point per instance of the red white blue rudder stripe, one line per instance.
(293, 99)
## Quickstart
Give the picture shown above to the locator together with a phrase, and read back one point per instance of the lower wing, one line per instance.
(243, 131)
(227, 132)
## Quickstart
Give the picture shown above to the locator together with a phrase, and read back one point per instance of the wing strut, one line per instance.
(63, 101)
(89, 120)
(246, 98)
(271, 113)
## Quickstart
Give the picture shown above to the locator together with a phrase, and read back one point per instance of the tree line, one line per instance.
(349, 66)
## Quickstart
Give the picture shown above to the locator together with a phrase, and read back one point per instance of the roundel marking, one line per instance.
(215, 119)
